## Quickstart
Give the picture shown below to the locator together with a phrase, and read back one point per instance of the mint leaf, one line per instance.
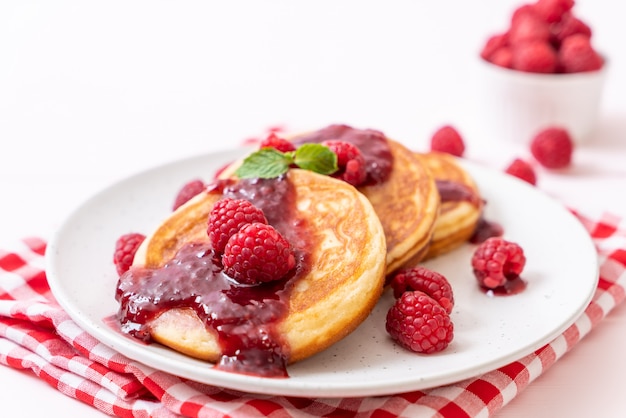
(269, 162)
(316, 157)
(265, 163)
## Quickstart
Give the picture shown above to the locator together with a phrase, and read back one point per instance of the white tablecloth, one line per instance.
(91, 92)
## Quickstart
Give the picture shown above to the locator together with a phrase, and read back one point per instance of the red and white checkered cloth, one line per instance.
(36, 334)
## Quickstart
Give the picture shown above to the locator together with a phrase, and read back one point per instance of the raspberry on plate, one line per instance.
(418, 323)
(484, 230)
(350, 161)
(448, 139)
(227, 217)
(125, 248)
(428, 281)
(257, 253)
(278, 143)
(497, 260)
(188, 191)
(522, 170)
(552, 147)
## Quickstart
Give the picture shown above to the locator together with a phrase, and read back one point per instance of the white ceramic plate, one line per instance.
(490, 332)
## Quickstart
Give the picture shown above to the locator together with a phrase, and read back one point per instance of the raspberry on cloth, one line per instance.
(37, 335)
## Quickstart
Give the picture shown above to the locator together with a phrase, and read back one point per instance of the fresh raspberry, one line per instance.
(522, 170)
(256, 254)
(125, 249)
(493, 44)
(189, 190)
(418, 323)
(274, 141)
(227, 217)
(535, 57)
(430, 282)
(503, 57)
(350, 161)
(578, 55)
(552, 10)
(526, 27)
(496, 260)
(521, 11)
(552, 147)
(568, 26)
(447, 139)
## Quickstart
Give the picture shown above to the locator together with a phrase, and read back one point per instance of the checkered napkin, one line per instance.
(36, 334)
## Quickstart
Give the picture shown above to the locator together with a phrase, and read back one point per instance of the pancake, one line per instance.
(340, 241)
(404, 197)
(461, 204)
(407, 204)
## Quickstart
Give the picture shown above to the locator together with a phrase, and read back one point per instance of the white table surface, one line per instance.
(91, 92)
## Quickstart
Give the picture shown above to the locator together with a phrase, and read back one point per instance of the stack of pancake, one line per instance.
(461, 205)
(358, 238)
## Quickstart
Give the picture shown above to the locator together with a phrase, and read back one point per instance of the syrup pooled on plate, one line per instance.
(510, 287)
(486, 229)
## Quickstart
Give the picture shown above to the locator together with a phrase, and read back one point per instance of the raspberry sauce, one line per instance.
(512, 286)
(372, 144)
(452, 191)
(486, 229)
(243, 318)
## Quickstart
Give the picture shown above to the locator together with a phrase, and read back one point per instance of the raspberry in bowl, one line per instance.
(542, 70)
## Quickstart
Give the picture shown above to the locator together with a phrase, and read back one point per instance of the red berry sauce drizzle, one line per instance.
(452, 191)
(372, 144)
(486, 229)
(512, 286)
(244, 318)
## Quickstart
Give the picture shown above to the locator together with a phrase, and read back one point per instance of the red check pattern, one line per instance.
(37, 335)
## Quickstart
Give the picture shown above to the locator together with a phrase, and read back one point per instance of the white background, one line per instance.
(91, 92)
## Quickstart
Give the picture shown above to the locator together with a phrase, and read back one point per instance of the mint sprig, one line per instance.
(270, 163)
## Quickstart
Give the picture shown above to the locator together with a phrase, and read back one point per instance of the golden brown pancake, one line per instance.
(461, 205)
(407, 203)
(345, 251)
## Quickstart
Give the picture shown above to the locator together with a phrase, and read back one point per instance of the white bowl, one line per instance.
(516, 104)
